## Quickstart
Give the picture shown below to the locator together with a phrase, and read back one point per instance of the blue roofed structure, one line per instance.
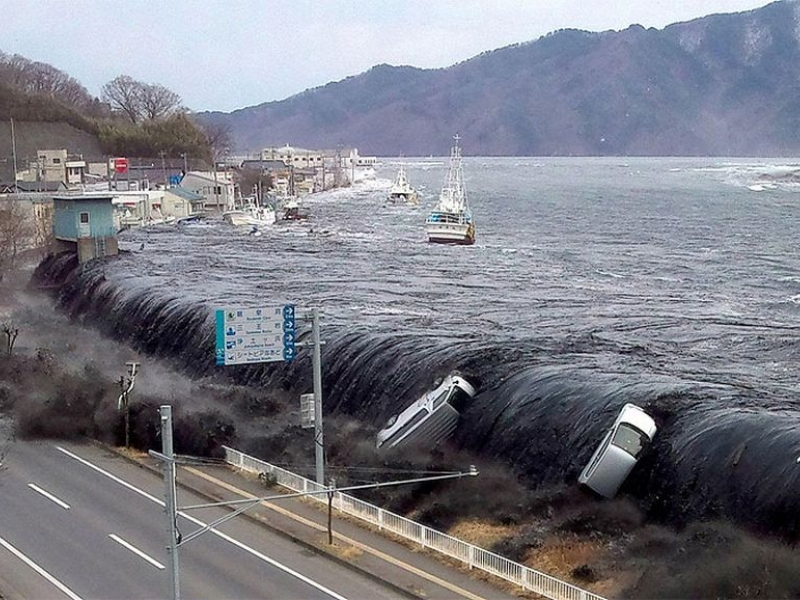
(85, 224)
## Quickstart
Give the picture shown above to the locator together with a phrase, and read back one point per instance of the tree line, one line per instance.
(131, 118)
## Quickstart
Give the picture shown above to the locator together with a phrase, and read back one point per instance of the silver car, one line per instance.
(619, 451)
(430, 419)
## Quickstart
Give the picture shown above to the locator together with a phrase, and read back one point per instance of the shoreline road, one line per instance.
(79, 522)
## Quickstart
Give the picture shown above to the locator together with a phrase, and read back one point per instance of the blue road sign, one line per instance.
(255, 335)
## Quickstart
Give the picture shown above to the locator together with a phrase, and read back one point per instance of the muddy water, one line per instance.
(670, 283)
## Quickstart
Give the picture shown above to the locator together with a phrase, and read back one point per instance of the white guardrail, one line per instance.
(472, 556)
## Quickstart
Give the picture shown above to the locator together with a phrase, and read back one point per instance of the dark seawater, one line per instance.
(670, 283)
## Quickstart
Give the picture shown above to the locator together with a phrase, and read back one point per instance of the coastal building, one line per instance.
(300, 158)
(75, 169)
(155, 207)
(136, 208)
(54, 166)
(140, 174)
(85, 225)
(36, 209)
(181, 203)
(217, 189)
(360, 168)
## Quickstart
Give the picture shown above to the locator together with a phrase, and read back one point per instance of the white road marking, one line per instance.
(49, 496)
(136, 551)
(196, 521)
(39, 570)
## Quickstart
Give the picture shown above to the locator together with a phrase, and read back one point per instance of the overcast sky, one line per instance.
(229, 54)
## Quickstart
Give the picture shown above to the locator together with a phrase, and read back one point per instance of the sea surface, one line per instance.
(672, 283)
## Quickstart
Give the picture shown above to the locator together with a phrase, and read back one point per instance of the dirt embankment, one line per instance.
(62, 381)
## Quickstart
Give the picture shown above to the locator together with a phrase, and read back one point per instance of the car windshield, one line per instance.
(629, 439)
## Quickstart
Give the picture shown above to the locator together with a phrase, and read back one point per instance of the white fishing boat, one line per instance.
(401, 190)
(450, 222)
(251, 213)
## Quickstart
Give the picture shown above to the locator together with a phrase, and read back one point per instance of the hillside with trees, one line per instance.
(50, 109)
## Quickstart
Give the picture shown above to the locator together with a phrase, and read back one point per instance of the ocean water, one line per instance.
(672, 283)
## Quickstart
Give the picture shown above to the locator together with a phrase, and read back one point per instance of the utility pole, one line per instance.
(14, 153)
(167, 457)
(319, 445)
(216, 185)
(331, 494)
(171, 505)
(164, 168)
(123, 403)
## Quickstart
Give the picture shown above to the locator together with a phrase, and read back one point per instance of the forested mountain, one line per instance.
(726, 84)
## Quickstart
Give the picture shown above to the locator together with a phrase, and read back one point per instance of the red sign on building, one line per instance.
(120, 165)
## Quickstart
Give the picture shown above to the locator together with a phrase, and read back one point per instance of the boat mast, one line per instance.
(455, 182)
(14, 152)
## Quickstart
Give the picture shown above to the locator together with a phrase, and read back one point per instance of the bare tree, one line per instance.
(256, 180)
(158, 102)
(218, 137)
(43, 227)
(16, 234)
(124, 94)
(40, 78)
(141, 101)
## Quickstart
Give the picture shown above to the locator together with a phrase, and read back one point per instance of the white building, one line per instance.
(218, 189)
(299, 158)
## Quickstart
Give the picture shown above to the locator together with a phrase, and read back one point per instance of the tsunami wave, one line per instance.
(542, 405)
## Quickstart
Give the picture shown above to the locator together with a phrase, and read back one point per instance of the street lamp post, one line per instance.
(171, 499)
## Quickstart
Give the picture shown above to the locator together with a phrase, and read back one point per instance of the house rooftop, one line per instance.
(85, 197)
(265, 164)
(34, 186)
(185, 194)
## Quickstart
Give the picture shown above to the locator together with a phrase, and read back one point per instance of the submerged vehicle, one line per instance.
(430, 419)
(292, 210)
(619, 451)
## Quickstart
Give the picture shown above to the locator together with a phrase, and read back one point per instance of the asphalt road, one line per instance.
(77, 522)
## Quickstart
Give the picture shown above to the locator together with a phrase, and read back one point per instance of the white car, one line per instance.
(619, 451)
(430, 419)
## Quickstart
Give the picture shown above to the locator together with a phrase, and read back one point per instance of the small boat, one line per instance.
(292, 211)
(430, 419)
(450, 222)
(251, 213)
(401, 190)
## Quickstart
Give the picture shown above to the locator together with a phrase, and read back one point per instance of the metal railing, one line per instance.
(470, 555)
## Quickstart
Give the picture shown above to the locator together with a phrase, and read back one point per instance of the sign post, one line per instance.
(307, 411)
(257, 335)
